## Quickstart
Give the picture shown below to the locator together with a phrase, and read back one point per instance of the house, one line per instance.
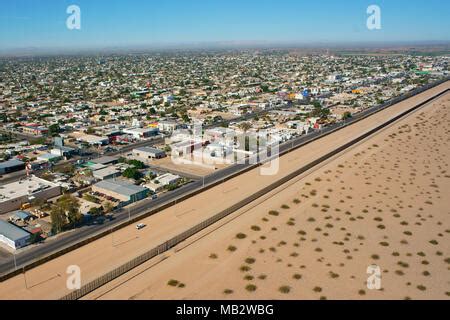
(90, 139)
(63, 151)
(149, 153)
(13, 236)
(167, 125)
(11, 166)
(35, 131)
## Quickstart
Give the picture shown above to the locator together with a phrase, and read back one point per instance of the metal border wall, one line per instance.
(101, 281)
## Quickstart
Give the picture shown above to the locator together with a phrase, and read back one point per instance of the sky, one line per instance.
(128, 23)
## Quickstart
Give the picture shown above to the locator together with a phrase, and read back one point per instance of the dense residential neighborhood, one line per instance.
(84, 136)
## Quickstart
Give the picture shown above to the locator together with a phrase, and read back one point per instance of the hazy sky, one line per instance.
(42, 23)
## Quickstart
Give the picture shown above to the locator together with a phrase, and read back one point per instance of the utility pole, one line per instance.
(25, 277)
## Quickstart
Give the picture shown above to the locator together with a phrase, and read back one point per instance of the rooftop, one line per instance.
(105, 160)
(120, 187)
(10, 163)
(11, 231)
(24, 187)
(106, 172)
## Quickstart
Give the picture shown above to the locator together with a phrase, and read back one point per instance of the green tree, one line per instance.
(95, 211)
(346, 115)
(54, 129)
(71, 207)
(136, 163)
(132, 173)
(58, 218)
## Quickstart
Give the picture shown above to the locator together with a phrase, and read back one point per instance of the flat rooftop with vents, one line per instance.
(14, 195)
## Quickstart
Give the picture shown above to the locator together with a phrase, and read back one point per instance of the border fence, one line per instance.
(121, 270)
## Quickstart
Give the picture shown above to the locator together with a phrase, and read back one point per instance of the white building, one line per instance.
(13, 236)
(141, 133)
(167, 125)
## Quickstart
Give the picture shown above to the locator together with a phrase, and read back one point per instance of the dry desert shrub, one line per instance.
(255, 228)
(245, 268)
(250, 287)
(421, 287)
(173, 283)
(285, 289)
(297, 276)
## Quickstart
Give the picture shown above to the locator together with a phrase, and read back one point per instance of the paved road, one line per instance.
(140, 208)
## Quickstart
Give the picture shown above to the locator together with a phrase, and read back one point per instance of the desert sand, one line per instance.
(48, 281)
(385, 202)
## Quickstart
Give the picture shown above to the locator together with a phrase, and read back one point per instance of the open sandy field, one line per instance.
(48, 281)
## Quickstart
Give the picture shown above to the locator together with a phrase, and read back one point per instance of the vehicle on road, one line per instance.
(140, 226)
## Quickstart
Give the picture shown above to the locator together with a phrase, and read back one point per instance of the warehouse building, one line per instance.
(11, 166)
(14, 195)
(13, 236)
(149, 153)
(106, 173)
(123, 191)
(106, 160)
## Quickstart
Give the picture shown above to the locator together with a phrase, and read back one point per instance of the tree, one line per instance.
(137, 164)
(58, 218)
(132, 173)
(185, 117)
(95, 211)
(245, 126)
(108, 207)
(54, 129)
(346, 115)
(71, 207)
